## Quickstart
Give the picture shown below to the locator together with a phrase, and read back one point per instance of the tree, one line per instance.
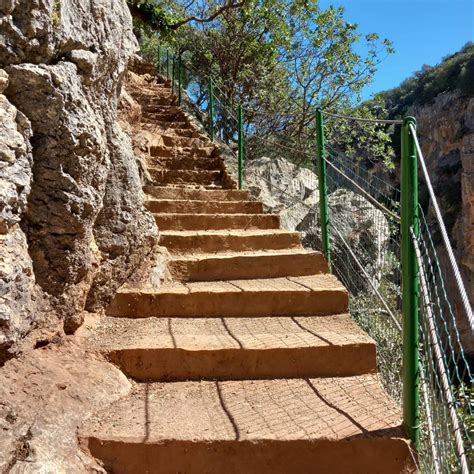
(159, 17)
(280, 60)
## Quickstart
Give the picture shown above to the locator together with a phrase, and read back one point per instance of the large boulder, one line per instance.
(292, 192)
(17, 284)
(85, 224)
(364, 229)
(284, 189)
(15, 161)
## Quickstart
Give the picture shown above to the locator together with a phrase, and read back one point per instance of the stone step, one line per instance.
(160, 96)
(154, 98)
(155, 104)
(229, 240)
(204, 207)
(178, 128)
(177, 152)
(185, 142)
(185, 163)
(144, 68)
(315, 425)
(178, 221)
(164, 127)
(169, 126)
(168, 109)
(174, 349)
(152, 90)
(204, 177)
(185, 132)
(208, 187)
(158, 109)
(164, 117)
(167, 192)
(292, 296)
(246, 265)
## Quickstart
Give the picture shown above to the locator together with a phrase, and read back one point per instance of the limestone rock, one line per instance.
(44, 395)
(283, 188)
(84, 60)
(15, 164)
(18, 309)
(3, 80)
(292, 192)
(86, 226)
(17, 291)
(363, 227)
(446, 131)
(115, 230)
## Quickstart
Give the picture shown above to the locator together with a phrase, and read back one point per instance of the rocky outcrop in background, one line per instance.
(292, 192)
(72, 214)
(446, 131)
(284, 189)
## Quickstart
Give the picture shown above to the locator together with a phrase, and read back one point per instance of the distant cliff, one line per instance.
(442, 100)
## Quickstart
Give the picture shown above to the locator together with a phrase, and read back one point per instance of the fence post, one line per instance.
(241, 148)
(323, 192)
(173, 74)
(180, 73)
(211, 109)
(410, 282)
(167, 65)
(159, 59)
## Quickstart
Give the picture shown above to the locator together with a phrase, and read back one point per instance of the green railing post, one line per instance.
(241, 148)
(323, 192)
(159, 59)
(410, 282)
(173, 74)
(211, 109)
(167, 65)
(180, 79)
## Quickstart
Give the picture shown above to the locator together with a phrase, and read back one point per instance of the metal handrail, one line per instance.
(360, 119)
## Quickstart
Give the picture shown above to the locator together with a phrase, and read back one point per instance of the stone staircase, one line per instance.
(248, 361)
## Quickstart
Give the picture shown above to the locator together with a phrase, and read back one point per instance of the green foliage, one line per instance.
(465, 396)
(151, 17)
(367, 311)
(372, 319)
(364, 141)
(281, 59)
(56, 14)
(456, 72)
(150, 48)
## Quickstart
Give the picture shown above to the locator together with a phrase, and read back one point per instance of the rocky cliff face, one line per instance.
(292, 192)
(17, 285)
(71, 210)
(446, 129)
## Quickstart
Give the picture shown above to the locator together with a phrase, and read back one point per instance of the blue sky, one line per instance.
(422, 31)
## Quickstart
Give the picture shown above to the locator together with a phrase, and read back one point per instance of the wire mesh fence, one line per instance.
(446, 374)
(364, 223)
(365, 251)
(364, 217)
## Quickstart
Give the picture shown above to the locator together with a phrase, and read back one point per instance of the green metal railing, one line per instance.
(211, 109)
(398, 288)
(433, 378)
(323, 202)
(219, 119)
(240, 133)
(410, 282)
